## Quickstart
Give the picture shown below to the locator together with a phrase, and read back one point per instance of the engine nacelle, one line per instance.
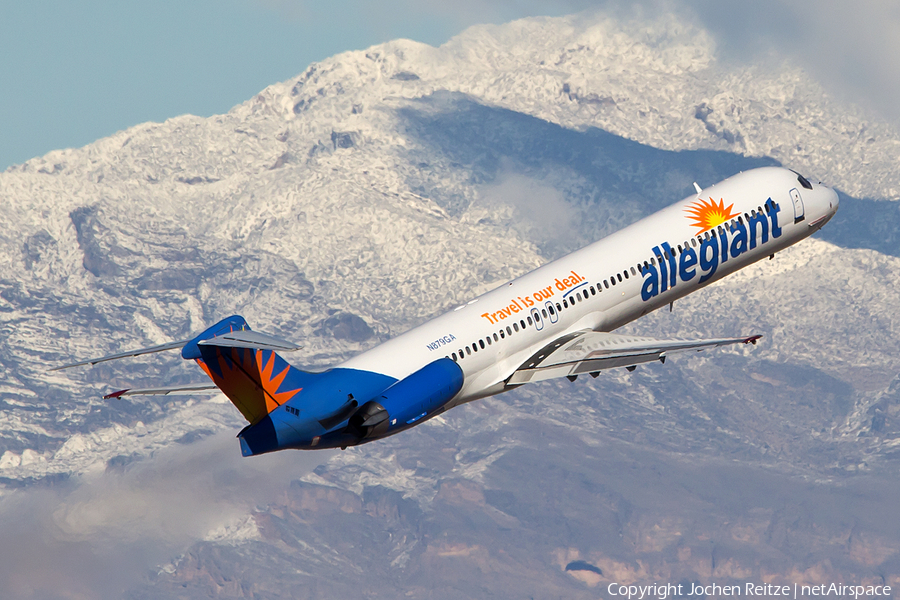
(408, 401)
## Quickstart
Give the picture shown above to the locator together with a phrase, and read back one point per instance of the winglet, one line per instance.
(115, 394)
(752, 339)
(697, 187)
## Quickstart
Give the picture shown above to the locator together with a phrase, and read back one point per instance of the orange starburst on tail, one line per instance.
(271, 382)
(706, 215)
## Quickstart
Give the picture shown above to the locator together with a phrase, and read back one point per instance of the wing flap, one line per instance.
(591, 351)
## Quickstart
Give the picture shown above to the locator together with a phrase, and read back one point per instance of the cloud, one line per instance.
(852, 48)
(535, 209)
(101, 534)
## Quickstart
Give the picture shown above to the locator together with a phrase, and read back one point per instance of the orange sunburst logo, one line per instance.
(706, 215)
(271, 382)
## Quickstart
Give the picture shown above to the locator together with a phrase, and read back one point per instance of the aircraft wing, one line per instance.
(592, 351)
(190, 388)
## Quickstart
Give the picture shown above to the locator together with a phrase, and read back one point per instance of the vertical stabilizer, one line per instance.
(257, 381)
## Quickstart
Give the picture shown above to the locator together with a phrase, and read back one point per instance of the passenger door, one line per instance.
(798, 205)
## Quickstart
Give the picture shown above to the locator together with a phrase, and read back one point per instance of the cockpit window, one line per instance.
(803, 180)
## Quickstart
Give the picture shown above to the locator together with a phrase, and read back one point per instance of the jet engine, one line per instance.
(413, 398)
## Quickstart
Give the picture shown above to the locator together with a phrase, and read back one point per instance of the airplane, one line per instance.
(556, 321)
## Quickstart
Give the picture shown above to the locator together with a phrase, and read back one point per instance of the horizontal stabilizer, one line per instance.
(129, 353)
(189, 388)
(249, 339)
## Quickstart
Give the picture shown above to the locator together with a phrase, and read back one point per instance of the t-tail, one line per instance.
(251, 374)
(286, 407)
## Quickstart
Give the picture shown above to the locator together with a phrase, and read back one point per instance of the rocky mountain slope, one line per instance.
(380, 187)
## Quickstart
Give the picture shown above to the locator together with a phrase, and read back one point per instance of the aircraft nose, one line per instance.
(824, 205)
(833, 200)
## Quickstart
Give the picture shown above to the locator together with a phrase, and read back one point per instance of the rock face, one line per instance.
(346, 326)
(380, 187)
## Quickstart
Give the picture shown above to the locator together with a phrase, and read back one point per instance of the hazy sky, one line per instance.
(73, 71)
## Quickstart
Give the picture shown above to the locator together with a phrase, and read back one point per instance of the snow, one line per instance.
(351, 187)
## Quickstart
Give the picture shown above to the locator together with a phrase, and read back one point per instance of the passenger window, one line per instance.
(475, 347)
(620, 278)
(468, 352)
(544, 312)
(488, 338)
(593, 291)
(495, 338)
(508, 331)
(502, 335)
(633, 271)
(481, 343)
(552, 312)
(529, 321)
(558, 307)
(522, 322)
(516, 326)
(626, 274)
(565, 303)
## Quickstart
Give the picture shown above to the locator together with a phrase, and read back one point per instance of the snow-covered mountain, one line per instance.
(380, 187)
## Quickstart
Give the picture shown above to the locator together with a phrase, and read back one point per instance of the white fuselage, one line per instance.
(487, 338)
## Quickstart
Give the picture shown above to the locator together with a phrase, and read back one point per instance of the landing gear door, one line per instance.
(798, 205)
